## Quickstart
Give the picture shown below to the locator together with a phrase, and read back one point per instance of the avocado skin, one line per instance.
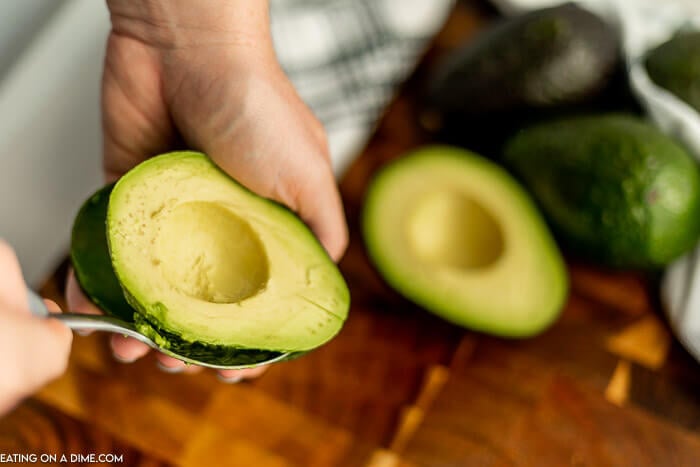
(90, 257)
(545, 64)
(675, 66)
(615, 189)
(207, 353)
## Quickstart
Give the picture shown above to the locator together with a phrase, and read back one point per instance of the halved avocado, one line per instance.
(214, 270)
(457, 235)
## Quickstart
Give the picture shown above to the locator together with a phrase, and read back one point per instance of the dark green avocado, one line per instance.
(547, 63)
(675, 65)
(614, 188)
(546, 58)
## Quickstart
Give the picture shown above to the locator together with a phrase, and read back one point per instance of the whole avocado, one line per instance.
(525, 69)
(613, 187)
(545, 58)
(675, 65)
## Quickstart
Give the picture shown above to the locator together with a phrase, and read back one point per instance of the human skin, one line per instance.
(204, 75)
(35, 349)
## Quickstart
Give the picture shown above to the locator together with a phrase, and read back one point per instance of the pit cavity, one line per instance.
(449, 229)
(207, 252)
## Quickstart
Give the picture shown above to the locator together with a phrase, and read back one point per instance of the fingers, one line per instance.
(173, 365)
(36, 349)
(235, 376)
(62, 335)
(62, 339)
(52, 306)
(39, 348)
(135, 120)
(13, 290)
(126, 349)
(324, 213)
(77, 301)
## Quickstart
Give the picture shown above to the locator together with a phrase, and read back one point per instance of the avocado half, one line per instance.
(211, 270)
(457, 235)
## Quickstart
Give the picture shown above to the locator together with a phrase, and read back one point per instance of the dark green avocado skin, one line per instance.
(675, 66)
(208, 353)
(548, 63)
(91, 260)
(614, 189)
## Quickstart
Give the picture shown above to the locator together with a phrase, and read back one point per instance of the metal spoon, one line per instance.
(81, 321)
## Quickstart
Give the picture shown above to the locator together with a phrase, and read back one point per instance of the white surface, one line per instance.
(20, 21)
(50, 133)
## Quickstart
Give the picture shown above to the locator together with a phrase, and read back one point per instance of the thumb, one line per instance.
(42, 344)
(13, 290)
(57, 339)
(39, 349)
(52, 345)
(135, 120)
(320, 206)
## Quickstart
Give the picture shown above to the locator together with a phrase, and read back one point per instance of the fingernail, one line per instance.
(170, 369)
(121, 359)
(84, 332)
(229, 379)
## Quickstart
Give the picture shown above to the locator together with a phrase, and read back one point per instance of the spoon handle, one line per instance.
(82, 321)
(78, 321)
(36, 304)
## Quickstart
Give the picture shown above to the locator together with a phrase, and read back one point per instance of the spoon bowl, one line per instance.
(82, 321)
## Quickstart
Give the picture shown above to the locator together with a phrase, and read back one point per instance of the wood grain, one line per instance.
(399, 387)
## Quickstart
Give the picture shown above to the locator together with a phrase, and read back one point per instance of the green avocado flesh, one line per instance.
(213, 271)
(675, 65)
(457, 235)
(614, 188)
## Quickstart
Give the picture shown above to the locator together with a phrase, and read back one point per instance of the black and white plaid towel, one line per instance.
(346, 57)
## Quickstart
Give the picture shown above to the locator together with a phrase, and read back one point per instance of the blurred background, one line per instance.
(50, 66)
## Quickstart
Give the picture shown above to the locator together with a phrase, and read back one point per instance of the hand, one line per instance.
(204, 73)
(35, 350)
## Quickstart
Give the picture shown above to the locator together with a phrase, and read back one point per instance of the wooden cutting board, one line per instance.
(605, 386)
